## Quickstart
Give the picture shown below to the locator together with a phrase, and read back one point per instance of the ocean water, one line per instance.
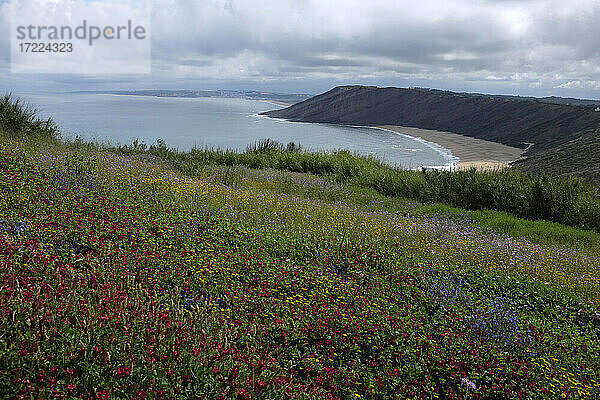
(221, 122)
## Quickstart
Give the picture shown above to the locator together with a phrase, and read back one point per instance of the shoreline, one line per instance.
(471, 152)
(277, 102)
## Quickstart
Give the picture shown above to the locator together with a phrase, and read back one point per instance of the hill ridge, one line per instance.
(508, 120)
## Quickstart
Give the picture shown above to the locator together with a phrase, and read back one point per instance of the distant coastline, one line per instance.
(283, 99)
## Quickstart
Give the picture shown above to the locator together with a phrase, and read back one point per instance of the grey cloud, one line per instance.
(538, 45)
(397, 38)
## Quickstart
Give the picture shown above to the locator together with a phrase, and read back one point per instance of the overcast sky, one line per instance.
(525, 47)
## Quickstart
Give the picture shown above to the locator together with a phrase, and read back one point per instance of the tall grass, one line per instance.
(20, 121)
(570, 201)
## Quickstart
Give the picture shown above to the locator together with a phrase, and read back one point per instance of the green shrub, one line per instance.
(20, 121)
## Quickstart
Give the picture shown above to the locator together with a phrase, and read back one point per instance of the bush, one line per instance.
(20, 121)
(269, 146)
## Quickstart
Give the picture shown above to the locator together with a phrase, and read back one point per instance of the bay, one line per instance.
(221, 122)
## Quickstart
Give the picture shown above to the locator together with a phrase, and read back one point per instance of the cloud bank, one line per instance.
(525, 47)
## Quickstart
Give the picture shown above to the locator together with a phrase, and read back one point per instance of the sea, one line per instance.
(227, 123)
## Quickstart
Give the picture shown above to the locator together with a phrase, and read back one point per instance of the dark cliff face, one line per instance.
(512, 121)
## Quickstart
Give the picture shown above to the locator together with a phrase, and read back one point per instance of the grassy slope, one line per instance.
(121, 276)
(572, 201)
(579, 157)
(366, 199)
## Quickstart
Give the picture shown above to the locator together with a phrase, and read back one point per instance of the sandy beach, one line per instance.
(472, 152)
(277, 102)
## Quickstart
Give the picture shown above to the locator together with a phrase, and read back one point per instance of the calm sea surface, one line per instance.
(219, 122)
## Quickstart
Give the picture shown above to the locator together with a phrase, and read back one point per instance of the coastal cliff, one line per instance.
(513, 121)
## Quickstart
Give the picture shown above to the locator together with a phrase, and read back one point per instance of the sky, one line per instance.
(522, 47)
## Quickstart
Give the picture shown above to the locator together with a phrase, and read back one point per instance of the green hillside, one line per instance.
(579, 157)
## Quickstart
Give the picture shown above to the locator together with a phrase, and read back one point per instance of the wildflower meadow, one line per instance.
(122, 278)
